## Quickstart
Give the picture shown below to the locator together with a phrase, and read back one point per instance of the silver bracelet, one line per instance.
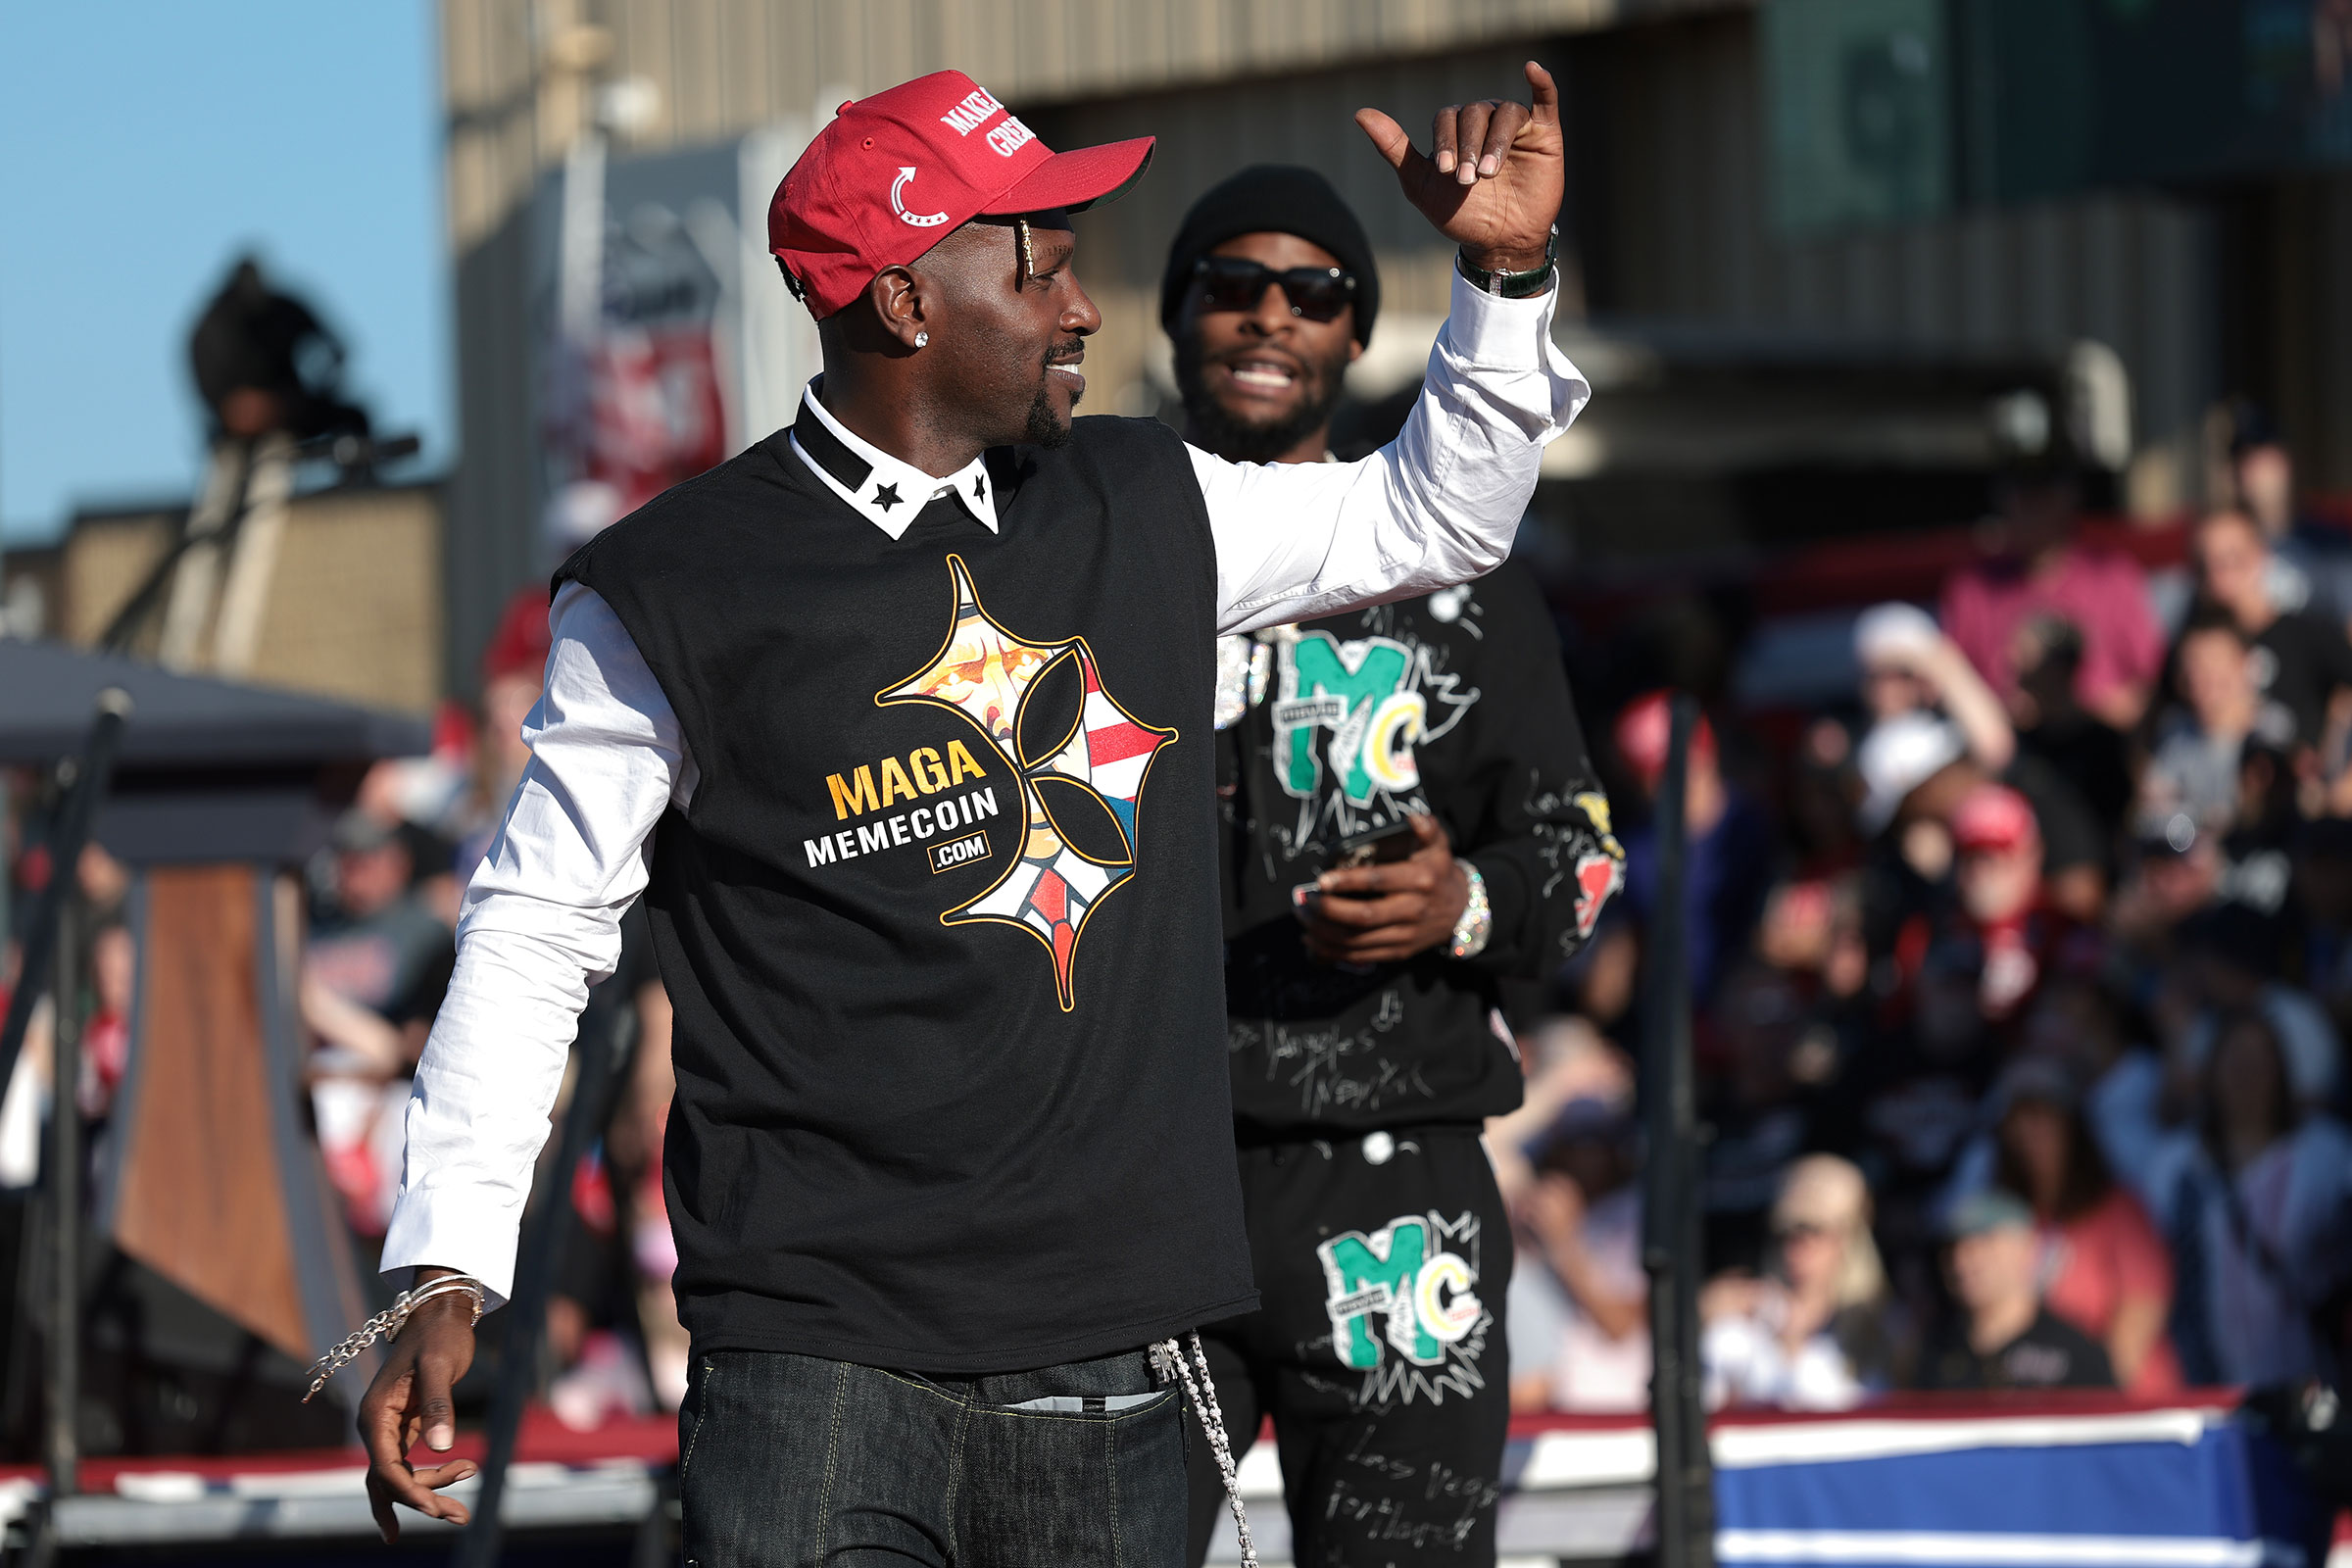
(387, 1324)
(1477, 923)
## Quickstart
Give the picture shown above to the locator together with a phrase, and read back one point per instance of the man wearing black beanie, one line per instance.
(1266, 396)
(1408, 817)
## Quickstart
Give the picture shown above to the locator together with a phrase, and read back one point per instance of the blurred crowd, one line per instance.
(2019, 975)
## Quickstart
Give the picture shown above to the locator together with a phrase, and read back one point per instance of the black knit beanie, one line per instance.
(1273, 198)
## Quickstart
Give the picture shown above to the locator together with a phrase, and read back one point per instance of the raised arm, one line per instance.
(541, 924)
(1441, 503)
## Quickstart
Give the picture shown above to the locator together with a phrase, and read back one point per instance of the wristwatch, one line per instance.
(1477, 922)
(1513, 285)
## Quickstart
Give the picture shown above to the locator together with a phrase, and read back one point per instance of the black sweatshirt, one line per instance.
(1457, 703)
(935, 921)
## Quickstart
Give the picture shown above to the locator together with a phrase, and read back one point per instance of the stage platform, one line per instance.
(2093, 1482)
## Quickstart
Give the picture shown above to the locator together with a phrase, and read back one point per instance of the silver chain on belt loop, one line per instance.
(1167, 1361)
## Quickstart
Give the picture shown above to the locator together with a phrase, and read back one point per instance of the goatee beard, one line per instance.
(1044, 428)
(1211, 427)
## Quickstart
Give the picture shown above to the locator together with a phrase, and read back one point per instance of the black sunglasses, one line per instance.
(1235, 283)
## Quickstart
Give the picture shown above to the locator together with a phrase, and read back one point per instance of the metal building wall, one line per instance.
(1683, 229)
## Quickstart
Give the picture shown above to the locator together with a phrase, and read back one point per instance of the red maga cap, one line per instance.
(1995, 816)
(893, 173)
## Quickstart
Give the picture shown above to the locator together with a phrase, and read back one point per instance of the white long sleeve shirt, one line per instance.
(541, 920)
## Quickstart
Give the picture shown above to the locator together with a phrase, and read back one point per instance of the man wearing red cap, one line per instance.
(901, 723)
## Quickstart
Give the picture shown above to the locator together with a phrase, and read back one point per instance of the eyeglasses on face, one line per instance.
(1236, 283)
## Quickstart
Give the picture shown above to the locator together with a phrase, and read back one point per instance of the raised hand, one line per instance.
(1494, 178)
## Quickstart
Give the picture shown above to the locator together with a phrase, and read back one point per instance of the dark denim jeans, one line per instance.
(795, 1462)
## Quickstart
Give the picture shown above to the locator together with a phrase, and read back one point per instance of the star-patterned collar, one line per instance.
(887, 492)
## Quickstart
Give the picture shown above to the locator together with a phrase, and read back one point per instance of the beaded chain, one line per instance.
(1167, 1360)
(387, 1324)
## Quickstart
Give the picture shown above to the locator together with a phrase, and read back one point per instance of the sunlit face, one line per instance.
(2266, 485)
(2216, 680)
(114, 967)
(368, 880)
(1258, 379)
(1890, 691)
(2233, 564)
(1008, 330)
(1811, 1255)
(1995, 1267)
(1999, 884)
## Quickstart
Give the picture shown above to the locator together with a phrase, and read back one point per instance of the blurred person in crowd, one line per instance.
(113, 960)
(1812, 927)
(1579, 1301)
(1999, 876)
(1448, 739)
(1770, 1054)
(2191, 781)
(513, 670)
(1912, 772)
(2256, 1198)
(373, 971)
(2322, 892)
(1726, 867)
(905, 1099)
(2104, 1267)
(421, 799)
(1564, 1058)
(2054, 728)
(2235, 953)
(2080, 1025)
(2044, 568)
(1999, 1335)
(1968, 968)
(1815, 1332)
(2301, 659)
(2311, 562)
(613, 1325)
(264, 362)
(1994, 933)
(1911, 671)
(1910, 666)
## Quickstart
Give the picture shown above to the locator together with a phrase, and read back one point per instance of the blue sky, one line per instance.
(143, 145)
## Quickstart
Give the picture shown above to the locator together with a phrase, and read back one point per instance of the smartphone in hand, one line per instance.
(1379, 846)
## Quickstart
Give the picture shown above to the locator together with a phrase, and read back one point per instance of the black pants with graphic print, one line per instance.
(1383, 1262)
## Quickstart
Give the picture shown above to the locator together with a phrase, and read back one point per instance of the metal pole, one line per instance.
(62, 1445)
(519, 1363)
(82, 782)
(1684, 1478)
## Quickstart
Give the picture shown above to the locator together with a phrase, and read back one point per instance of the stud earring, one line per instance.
(922, 340)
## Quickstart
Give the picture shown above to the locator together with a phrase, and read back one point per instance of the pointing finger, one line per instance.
(1548, 95)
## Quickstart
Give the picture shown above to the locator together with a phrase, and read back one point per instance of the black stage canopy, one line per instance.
(209, 770)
